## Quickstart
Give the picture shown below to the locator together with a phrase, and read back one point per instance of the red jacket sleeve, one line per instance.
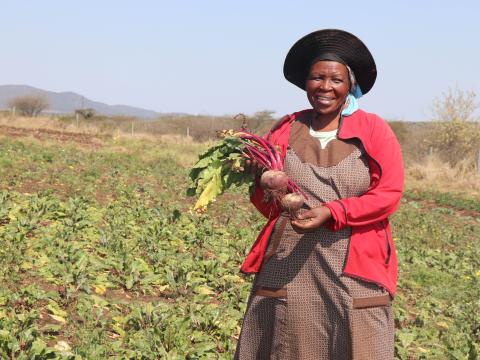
(386, 187)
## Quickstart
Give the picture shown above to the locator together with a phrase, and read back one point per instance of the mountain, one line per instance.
(67, 102)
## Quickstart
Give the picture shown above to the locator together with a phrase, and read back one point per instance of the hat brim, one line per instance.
(346, 46)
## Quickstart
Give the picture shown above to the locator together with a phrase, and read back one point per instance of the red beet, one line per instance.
(292, 203)
(274, 180)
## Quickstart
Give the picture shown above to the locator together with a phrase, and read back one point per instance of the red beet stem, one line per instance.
(263, 144)
(257, 157)
(270, 157)
(256, 146)
(292, 187)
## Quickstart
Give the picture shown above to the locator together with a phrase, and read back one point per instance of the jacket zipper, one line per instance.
(389, 249)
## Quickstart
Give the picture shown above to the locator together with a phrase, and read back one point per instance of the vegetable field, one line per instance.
(101, 258)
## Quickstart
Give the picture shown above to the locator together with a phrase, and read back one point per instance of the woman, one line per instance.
(325, 281)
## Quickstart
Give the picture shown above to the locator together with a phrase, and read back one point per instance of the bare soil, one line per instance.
(88, 140)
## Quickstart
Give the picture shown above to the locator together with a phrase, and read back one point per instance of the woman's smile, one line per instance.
(324, 100)
(327, 86)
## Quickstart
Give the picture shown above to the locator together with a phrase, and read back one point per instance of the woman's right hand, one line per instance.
(253, 167)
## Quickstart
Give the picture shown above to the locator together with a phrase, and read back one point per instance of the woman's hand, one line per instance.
(311, 220)
(253, 167)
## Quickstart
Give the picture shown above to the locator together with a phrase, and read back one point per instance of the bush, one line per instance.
(86, 113)
(456, 131)
(29, 105)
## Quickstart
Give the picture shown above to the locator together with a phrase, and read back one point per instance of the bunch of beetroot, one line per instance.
(277, 186)
(222, 166)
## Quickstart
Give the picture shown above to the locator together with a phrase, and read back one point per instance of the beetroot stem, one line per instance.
(257, 156)
(264, 145)
(294, 188)
(260, 150)
(252, 156)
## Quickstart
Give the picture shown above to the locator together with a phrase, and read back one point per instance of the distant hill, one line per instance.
(67, 102)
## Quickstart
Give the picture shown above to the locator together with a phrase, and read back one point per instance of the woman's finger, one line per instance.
(305, 225)
(257, 169)
(252, 166)
(305, 215)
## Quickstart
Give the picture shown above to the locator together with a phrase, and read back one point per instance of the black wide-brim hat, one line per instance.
(349, 50)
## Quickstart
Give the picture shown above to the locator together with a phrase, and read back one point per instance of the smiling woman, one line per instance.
(325, 280)
(327, 88)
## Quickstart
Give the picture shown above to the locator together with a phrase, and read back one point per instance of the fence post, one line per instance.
(132, 128)
(478, 162)
(188, 132)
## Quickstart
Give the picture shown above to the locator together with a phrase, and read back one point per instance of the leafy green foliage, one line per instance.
(218, 168)
(100, 258)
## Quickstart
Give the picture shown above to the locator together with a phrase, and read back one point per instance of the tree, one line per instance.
(455, 105)
(261, 121)
(456, 131)
(29, 105)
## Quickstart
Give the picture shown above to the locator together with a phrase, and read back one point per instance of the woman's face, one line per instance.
(327, 86)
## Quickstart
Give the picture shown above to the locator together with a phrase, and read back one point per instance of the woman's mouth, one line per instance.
(324, 100)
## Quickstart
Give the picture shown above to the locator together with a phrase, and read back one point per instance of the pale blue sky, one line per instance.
(225, 57)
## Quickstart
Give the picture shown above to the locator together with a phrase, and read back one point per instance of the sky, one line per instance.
(225, 57)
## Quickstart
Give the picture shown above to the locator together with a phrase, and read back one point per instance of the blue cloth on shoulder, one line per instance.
(352, 102)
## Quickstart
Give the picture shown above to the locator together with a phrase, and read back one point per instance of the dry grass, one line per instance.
(184, 150)
(48, 123)
(434, 174)
(200, 128)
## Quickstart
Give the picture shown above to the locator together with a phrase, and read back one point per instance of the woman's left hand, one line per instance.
(311, 220)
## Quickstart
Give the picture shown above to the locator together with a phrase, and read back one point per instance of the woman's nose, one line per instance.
(325, 85)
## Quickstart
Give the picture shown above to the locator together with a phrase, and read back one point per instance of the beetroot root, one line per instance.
(292, 203)
(274, 180)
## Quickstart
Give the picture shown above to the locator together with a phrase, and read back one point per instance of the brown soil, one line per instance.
(88, 140)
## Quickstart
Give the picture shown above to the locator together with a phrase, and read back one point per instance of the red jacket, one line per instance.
(371, 254)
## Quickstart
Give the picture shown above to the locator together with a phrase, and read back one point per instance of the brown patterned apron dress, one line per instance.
(301, 306)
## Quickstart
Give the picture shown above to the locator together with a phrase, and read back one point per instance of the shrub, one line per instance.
(85, 113)
(29, 105)
(456, 131)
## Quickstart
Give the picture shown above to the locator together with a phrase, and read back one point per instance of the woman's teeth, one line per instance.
(324, 100)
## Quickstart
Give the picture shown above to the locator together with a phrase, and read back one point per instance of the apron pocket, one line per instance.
(372, 328)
